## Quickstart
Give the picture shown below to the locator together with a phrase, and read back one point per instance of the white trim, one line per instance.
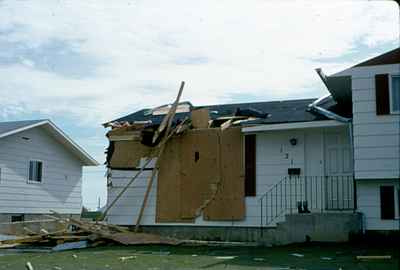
(82, 154)
(14, 131)
(296, 125)
(391, 95)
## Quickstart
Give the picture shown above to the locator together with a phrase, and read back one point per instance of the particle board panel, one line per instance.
(200, 169)
(127, 154)
(168, 206)
(229, 203)
(200, 118)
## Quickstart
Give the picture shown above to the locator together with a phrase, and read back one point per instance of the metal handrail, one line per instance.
(308, 194)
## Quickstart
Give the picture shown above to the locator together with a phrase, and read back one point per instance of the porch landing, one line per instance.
(297, 228)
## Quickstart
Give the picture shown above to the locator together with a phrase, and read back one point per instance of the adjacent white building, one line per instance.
(40, 170)
(375, 95)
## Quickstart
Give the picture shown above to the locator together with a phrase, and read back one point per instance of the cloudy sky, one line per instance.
(81, 63)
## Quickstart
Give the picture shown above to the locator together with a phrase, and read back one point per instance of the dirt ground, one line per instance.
(315, 256)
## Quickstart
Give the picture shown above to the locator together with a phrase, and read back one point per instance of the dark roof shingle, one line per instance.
(286, 111)
(6, 127)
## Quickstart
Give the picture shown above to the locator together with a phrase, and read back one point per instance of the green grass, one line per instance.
(165, 257)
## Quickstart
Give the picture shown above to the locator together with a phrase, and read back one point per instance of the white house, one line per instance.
(373, 87)
(40, 170)
(337, 155)
(301, 153)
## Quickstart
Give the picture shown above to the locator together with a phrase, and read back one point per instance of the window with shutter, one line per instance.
(387, 202)
(382, 94)
(250, 165)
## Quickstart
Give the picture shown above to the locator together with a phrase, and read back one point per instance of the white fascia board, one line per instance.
(297, 125)
(85, 157)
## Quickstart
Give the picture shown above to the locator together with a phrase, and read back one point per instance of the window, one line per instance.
(387, 202)
(250, 165)
(17, 218)
(395, 94)
(35, 171)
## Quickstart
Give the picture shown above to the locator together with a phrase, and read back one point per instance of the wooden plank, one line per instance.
(168, 118)
(109, 206)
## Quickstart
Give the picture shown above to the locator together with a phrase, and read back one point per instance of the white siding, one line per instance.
(368, 200)
(376, 137)
(274, 155)
(60, 189)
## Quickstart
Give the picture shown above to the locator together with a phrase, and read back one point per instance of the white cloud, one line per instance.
(224, 48)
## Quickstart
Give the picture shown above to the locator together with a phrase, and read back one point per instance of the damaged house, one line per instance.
(230, 165)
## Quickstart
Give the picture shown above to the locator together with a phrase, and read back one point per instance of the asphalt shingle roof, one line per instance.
(13, 125)
(280, 112)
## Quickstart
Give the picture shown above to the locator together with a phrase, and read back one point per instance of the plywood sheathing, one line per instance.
(202, 170)
(228, 204)
(168, 207)
(127, 154)
(200, 118)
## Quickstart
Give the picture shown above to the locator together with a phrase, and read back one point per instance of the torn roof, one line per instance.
(286, 111)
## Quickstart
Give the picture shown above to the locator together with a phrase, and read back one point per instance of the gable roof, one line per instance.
(388, 58)
(286, 111)
(13, 127)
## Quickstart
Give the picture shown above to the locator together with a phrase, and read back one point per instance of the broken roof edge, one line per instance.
(83, 156)
(213, 106)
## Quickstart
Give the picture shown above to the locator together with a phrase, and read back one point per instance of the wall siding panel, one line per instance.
(376, 137)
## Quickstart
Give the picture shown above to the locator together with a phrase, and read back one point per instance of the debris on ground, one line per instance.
(127, 258)
(79, 234)
(29, 266)
(297, 255)
(326, 258)
(259, 259)
(384, 257)
(225, 257)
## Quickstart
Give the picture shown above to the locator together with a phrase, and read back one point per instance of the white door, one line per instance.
(338, 169)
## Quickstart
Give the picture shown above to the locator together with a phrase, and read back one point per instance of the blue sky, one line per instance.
(84, 63)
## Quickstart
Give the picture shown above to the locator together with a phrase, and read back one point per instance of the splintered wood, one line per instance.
(94, 233)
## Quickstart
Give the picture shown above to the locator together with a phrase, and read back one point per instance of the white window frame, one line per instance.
(391, 94)
(29, 164)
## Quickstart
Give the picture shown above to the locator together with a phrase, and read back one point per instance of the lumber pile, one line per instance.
(83, 234)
